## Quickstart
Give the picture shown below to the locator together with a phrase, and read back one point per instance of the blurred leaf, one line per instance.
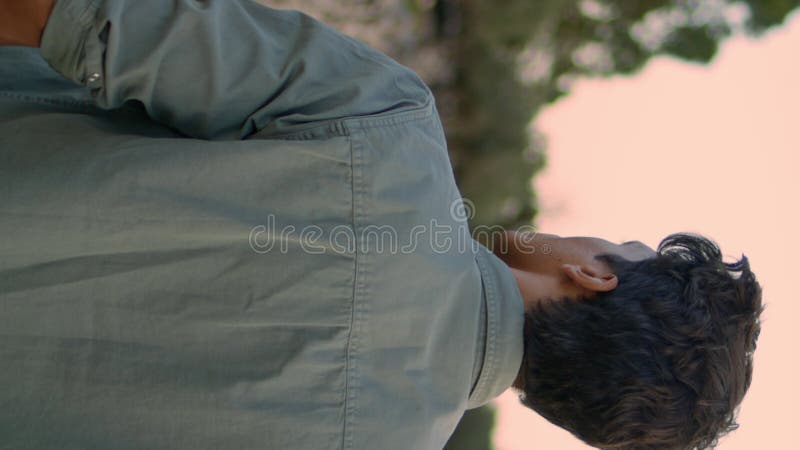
(474, 431)
(768, 13)
(691, 44)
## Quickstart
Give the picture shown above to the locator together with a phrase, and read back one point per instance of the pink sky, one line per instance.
(681, 147)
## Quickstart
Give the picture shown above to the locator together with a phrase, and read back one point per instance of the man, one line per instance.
(227, 226)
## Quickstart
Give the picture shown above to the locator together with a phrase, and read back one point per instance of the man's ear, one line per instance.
(588, 279)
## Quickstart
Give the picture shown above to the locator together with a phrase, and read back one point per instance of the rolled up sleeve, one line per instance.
(223, 69)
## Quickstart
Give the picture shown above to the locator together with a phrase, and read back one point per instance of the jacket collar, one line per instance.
(503, 321)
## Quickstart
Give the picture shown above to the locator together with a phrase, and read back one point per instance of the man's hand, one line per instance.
(22, 21)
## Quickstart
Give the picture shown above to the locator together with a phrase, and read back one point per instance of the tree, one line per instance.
(514, 56)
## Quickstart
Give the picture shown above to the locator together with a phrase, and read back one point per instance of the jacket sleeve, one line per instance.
(223, 69)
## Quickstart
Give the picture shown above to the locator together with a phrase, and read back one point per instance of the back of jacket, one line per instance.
(226, 226)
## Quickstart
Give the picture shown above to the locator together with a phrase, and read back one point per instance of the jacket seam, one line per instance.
(421, 112)
(355, 129)
(352, 346)
(347, 125)
(50, 101)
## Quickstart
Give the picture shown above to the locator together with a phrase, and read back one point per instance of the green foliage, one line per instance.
(691, 44)
(768, 13)
(474, 430)
(489, 134)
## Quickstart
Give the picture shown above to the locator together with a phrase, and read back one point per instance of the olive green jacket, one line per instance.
(224, 226)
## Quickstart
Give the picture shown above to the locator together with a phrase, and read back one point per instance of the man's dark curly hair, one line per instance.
(660, 362)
